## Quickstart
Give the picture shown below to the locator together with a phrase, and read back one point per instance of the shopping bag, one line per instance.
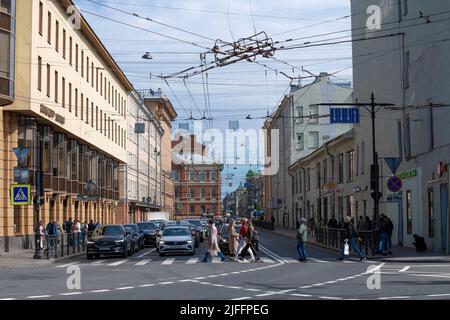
(346, 248)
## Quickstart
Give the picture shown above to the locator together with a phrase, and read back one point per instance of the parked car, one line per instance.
(149, 230)
(222, 238)
(176, 239)
(198, 227)
(137, 237)
(194, 233)
(158, 223)
(109, 240)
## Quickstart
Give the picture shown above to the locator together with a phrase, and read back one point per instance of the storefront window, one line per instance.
(27, 138)
(94, 167)
(74, 151)
(47, 141)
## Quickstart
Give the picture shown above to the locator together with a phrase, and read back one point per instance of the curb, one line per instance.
(382, 259)
(41, 262)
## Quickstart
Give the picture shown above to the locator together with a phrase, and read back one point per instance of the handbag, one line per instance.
(346, 248)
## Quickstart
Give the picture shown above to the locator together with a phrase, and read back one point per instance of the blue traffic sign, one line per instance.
(394, 184)
(20, 194)
(344, 115)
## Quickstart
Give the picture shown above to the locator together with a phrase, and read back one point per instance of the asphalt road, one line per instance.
(145, 275)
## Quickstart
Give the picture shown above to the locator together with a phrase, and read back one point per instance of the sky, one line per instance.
(236, 90)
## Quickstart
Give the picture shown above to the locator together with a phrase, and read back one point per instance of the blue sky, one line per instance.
(236, 90)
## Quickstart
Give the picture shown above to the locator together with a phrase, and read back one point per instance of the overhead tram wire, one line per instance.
(176, 97)
(150, 20)
(195, 102)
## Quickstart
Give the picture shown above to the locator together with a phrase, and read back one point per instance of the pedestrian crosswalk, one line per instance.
(141, 262)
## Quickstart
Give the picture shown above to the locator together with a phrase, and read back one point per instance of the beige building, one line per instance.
(161, 106)
(66, 100)
(323, 182)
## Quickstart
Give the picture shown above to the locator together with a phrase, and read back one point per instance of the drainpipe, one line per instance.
(333, 206)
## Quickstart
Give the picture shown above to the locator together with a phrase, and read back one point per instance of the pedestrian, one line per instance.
(213, 246)
(312, 226)
(351, 238)
(332, 223)
(341, 224)
(384, 235)
(242, 239)
(76, 230)
(41, 232)
(361, 224)
(51, 228)
(233, 240)
(272, 219)
(84, 232)
(68, 225)
(302, 236)
(332, 226)
(368, 224)
(390, 230)
(249, 238)
(91, 226)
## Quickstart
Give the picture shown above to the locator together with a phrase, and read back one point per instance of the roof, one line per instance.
(92, 37)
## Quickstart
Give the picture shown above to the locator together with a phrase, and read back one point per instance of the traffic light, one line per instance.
(374, 175)
(380, 195)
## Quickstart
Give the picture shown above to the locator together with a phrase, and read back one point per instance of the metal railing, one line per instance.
(335, 238)
(61, 245)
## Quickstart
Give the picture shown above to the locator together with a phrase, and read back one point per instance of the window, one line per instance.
(350, 165)
(96, 117)
(213, 175)
(76, 57)
(56, 86)
(48, 80)
(409, 213)
(70, 97)
(319, 178)
(299, 115)
(101, 121)
(40, 73)
(76, 102)
(192, 193)
(191, 175)
(202, 176)
(363, 150)
(41, 14)
(358, 158)
(92, 114)
(92, 74)
(101, 84)
(57, 36)
(314, 114)
(431, 212)
(109, 127)
(300, 142)
(49, 28)
(314, 140)
(87, 110)
(340, 208)
(406, 68)
(203, 193)
(70, 50)
(64, 44)
(96, 79)
(82, 106)
(82, 63)
(308, 179)
(87, 69)
(192, 209)
(341, 168)
(63, 92)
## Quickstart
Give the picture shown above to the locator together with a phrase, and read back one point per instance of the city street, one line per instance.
(145, 275)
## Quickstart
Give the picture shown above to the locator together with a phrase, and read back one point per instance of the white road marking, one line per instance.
(96, 263)
(218, 285)
(71, 293)
(124, 288)
(301, 295)
(254, 290)
(147, 285)
(406, 268)
(192, 261)
(266, 294)
(65, 265)
(439, 295)
(150, 251)
(397, 297)
(243, 298)
(118, 263)
(39, 297)
(290, 260)
(330, 298)
(267, 260)
(201, 278)
(233, 287)
(8, 299)
(346, 261)
(306, 287)
(168, 261)
(317, 260)
(242, 261)
(143, 262)
(100, 291)
(168, 282)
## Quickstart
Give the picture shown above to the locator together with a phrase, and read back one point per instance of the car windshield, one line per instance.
(196, 223)
(110, 231)
(176, 232)
(147, 226)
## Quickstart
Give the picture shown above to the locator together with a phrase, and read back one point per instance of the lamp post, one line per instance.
(39, 193)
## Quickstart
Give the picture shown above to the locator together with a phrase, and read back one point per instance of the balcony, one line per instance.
(59, 185)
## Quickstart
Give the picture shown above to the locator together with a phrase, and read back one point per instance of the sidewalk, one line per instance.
(400, 254)
(24, 259)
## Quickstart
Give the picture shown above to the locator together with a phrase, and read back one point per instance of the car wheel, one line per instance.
(162, 254)
(192, 253)
(125, 253)
(90, 256)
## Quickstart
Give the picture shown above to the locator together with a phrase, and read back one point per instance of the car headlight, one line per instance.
(118, 241)
(189, 241)
(161, 242)
(90, 242)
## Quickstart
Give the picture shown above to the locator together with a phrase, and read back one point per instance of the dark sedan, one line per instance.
(137, 237)
(109, 240)
(149, 230)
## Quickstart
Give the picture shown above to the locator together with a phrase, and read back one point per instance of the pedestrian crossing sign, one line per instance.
(20, 194)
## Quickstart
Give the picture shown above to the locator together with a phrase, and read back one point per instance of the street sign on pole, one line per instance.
(20, 194)
(21, 154)
(344, 115)
(394, 197)
(393, 164)
(394, 184)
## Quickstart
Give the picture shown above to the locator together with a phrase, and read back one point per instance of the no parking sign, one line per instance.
(394, 184)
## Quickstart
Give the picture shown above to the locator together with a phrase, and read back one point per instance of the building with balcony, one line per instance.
(7, 56)
(69, 108)
(197, 180)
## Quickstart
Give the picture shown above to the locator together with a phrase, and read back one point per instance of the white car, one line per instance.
(176, 239)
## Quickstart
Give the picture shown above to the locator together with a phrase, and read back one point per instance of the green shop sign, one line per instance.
(408, 174)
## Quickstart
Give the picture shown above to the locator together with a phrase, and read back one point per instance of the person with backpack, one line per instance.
(351, 239)
(302, 236)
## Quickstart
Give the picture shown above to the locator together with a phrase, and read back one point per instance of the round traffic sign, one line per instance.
(394, 184)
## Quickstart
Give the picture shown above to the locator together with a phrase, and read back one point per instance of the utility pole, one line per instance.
(372, 107)
(39, 189)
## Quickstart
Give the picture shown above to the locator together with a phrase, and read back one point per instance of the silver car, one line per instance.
(176, 239)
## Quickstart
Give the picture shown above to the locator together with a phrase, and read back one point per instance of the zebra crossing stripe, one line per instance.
(216, 260)
(192, 261)
(143, 262)
(317, 260)
(65, 265)
(118, 263)
(267, 260)
(168, 261)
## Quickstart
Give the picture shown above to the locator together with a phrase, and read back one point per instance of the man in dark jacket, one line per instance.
(390, 230)
(384, 235)
(332, 223)
(91, 226)
(351, 237)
